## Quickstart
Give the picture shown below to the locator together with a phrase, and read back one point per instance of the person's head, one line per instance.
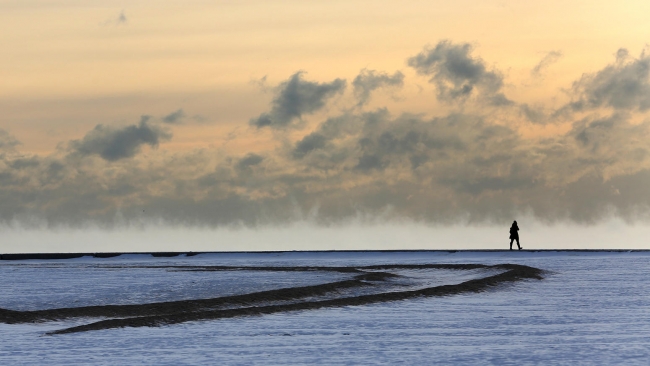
(514, 222)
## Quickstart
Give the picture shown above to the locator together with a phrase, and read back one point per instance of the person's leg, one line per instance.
(518, 246)
(511, 240)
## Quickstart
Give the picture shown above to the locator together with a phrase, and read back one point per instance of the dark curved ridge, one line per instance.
(355, 269)
(513, 273)
(173, 307)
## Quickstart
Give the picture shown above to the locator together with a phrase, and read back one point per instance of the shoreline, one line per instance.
(28, 256)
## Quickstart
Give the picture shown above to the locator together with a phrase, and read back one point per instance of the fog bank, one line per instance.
(613, 234)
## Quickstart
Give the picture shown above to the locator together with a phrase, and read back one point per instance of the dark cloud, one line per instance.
(612, 141)
(249, 161)
(534, 114)
(175, 117)
(483, 184)
(309, 143)
(549, 59)
(346, 124)
(7, 141)
(438, 170)
(121, 19)
(23, 163)
(118, 143)
(623, 85)
(457, 166)
(297, 97)
(370, 162)
(457, 75)
(370, 80)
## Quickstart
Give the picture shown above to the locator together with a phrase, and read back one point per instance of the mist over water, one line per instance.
(612, 234)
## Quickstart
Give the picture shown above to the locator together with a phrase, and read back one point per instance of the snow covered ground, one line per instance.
(592, 308)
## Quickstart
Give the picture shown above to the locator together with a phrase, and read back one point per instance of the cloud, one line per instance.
(623, 85)
(121, 19)
(119, 143)
(23, 163)
(466, 165)
(612, 143)
(370, 80)
(437, 170)
(546, 61)
(457, 75)
(7, 141)
(249, 161)
(534, 114)
(308, 144)
(297, 97)
(175, 117)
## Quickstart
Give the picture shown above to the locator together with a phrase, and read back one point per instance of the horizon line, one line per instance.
(74, 255)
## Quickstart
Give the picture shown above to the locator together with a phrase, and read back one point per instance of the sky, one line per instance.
(210, 115)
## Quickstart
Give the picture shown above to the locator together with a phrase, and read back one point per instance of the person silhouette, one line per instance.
(514, 234)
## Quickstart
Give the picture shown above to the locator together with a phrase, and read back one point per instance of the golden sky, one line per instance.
(530, 96)
(69, 65)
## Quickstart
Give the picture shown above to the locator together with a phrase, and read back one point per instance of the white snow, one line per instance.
(592, 308)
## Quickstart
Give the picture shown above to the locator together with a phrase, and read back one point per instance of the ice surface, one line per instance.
(592, 308)
(46, 286)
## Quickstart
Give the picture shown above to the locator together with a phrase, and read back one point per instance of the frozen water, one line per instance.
(592, 308)
(46, 286)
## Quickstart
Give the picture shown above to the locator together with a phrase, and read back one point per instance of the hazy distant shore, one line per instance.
(25, 256)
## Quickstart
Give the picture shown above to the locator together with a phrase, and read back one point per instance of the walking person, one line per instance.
(514, 234)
